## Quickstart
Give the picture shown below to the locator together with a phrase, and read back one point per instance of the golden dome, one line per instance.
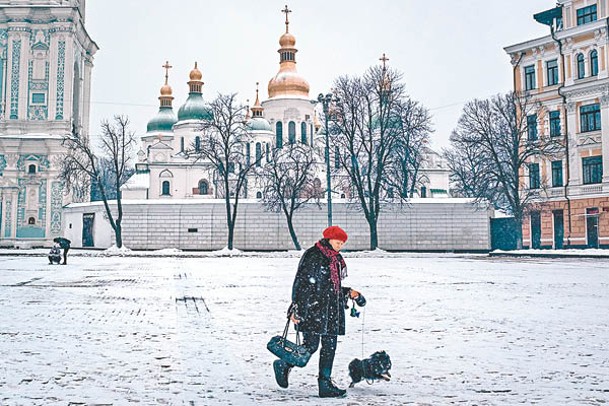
(288, 83)
(166, 90)
(196, 74)
(287, 40)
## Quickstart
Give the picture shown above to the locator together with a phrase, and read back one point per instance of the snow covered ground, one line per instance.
(467, 330)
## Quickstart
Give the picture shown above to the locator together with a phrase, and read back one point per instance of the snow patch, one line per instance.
(114, 250)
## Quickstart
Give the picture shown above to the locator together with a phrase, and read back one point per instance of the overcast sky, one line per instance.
(449, 52)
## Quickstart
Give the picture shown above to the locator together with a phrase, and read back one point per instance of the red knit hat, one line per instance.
(335, 233)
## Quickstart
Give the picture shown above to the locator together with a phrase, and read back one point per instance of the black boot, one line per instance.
(327, 389)
(282, 371)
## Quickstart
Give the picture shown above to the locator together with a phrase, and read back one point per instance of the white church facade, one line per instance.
(46, 59)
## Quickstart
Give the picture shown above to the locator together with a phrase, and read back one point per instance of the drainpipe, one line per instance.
(567, 158)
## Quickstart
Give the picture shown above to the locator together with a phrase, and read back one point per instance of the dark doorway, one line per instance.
(592, 227)
(536, 230)
(559, 229)
(87, 229)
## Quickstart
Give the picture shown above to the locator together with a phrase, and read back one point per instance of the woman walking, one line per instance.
(318, 307)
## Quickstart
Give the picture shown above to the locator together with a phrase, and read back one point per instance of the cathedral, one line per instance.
(46, 58)
(164, 170)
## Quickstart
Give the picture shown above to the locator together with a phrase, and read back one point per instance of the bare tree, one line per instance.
(289, 183)
(493, 146)
(223, 144)
(411, 124)
(84, 164)
(371, 123)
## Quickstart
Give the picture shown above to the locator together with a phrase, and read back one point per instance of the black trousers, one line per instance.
(326, 355)
(65, 255)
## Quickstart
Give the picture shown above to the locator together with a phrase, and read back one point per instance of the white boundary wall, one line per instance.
(419, 225)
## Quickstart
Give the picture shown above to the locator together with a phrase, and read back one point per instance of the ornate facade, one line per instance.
(567, 73)
(46, 58)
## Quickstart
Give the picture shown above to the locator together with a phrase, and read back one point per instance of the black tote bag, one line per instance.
(292, 353)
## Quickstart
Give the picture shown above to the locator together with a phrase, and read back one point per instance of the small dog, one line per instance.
(376, 367)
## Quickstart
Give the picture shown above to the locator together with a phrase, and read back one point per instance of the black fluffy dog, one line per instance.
(376, 367)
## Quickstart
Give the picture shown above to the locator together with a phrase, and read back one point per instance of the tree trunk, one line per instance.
(518, 234)
(231, 233)
(374, 240)
(293, 234)
(118, 233)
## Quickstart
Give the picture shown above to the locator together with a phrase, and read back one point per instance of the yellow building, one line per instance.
(567, 73)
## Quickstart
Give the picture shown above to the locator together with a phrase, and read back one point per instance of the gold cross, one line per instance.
(384, 59)
(286, 10)
(167, 66)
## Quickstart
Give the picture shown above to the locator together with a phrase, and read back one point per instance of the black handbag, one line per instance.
(292, 353)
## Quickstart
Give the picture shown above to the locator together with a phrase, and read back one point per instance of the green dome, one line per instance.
(163, 121)
(195, 109)
(259, 124)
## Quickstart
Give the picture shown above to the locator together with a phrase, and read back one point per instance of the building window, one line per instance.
(31, 221)
(534, 176)
(247, 155)
(557, 173)
(258, 195)
(594, 63)
(581, 66)
(165, 188)
(203, 187)
(529, 77)
(197, 143)
(555, 123)
(39, 98)
(292, 132)
(268, 153)
(532, 127)
(258, 154)
(31, 169)
(593, 169)
(303, 132)
(552, 71)
(586, 15)
(279, 134)
(182, 144)
(590, 118)
(423, 192)
(336, 157)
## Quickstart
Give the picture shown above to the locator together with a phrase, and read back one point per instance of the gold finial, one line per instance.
(257, 84)
(384, 59)
(286, 10)
(167, 66)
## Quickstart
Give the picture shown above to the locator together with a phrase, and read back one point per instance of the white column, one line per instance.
(574, 160)
(605, 135)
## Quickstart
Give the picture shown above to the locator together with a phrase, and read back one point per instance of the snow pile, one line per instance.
(114, 250)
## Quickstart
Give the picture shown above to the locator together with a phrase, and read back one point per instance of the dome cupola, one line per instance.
(195, 108)
(287, 82)
(165, 118)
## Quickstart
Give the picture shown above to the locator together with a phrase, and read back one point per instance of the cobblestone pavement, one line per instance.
(465, 330)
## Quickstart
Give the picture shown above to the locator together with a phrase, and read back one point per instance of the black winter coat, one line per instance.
(314, 300)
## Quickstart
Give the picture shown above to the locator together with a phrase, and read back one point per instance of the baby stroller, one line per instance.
(55, 255)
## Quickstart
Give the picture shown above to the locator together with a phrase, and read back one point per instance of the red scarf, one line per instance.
(338, 268)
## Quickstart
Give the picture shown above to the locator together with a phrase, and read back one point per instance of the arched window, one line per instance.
(423, 191)
(303, 132)
(312, 133)
(581, 66)
(248, 154)
(268, 152)
(258, 154)
(292, 132)
(203, 187)
(594, 63)
(279, 134)
(182, 144)
(197, 143)
(31, 221)
(165, 188)
(336, 157)
(31, 168)
(258, 195)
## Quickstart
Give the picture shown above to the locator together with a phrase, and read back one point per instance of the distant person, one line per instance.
(64, 243)
(55, 255)
(318, 307)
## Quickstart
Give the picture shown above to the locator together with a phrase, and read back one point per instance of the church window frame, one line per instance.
(279, 134)
(31, 169)
(303, 133)
(292, 132)
(197, 143)
(203, 187)
(258, 154)
(166, 188)
(31, 221)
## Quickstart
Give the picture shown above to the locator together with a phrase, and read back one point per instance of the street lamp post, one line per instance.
(325, 102)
